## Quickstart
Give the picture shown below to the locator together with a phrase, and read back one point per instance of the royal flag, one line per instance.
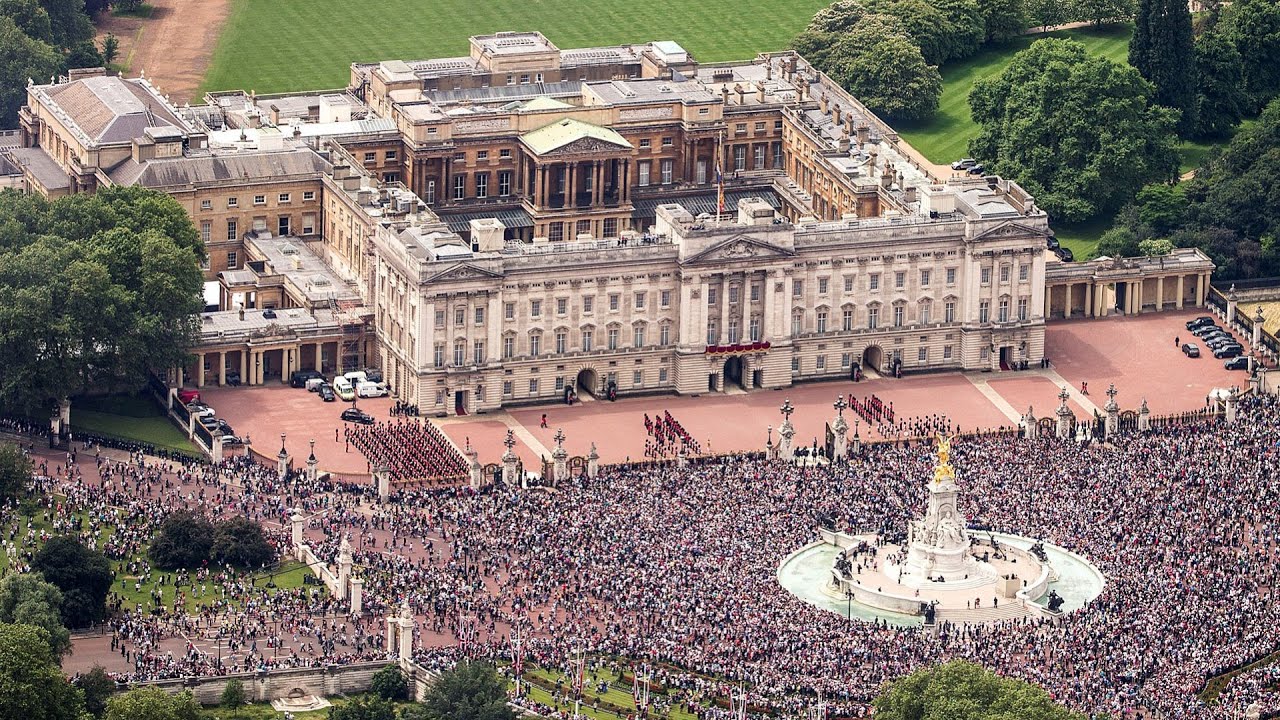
(719, 187)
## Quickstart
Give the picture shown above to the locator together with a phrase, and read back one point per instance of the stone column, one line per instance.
(357, 596)
(1160, 293)
(786, 433)
(406, 633)
(1200, 290)
(1231, 406)
(392, 624)
(1256, 336)
(312, 462)
(593, 462)
(570, 188)
(319, 364)
(215, 452)
(344, 567)
(561, 467)
(474, 470)
(1137, 296)
(1088, 300)
(200, 370)
(295, 527)
(286, 363)
(1030, 426)
(1180, 292)
(509, 462)
(222, 368)
(382, 477)
(1113, 412)
(840, 429)
(244, 368)
(1144, 417)
(682, 460)
(1232, 303)
(282, 459)
(744, 325)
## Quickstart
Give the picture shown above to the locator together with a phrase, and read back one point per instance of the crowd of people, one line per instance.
(665, 437)
(412, 450)
(872, 409)
(677, 567)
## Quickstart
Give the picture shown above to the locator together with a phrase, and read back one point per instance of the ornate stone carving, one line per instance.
(645, 114)
(482, 126)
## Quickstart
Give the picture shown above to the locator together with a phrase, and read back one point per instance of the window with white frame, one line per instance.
(873, 317)
(612, 338)
(664, 334)
(846, 319)
(477, 352)
(822, 321)
(438, 356)
(951, 276)
(873, 281)
(984, 310)
(899, 314)
(535, 344)
(797, 322)
(459, 187)
(1022, 308)
(562, 342)
(459, 353)
(1003, 310)
(588, 339)
(637, 336)
(508, 347)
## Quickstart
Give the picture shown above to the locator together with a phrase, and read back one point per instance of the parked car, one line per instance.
(299, 378)
(233, 378)
(1065, 255)
(977, 169)
(315, 383)
(1205, 330)
(1228, 351)
(1202, 320)
(1214, 339)
(210, 422)
(342, 387)
(327, 394)
(371, 389)
(963, 164)
(359, 417)
(199, 409)
(373, 375)
(1190, 350)
(1239, 362)
(1052, 243)
(186, 397)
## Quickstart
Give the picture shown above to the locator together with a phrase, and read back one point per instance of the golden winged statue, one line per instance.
(943, 470)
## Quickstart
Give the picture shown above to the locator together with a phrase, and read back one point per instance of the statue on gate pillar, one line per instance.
(1030, 426)
(1065, 416)
(840, 429)
(787, 432)
(560, 458)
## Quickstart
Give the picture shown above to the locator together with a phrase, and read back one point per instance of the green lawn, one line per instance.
(134, 417)
(945, 137)
(1083, 237)
(284, 45)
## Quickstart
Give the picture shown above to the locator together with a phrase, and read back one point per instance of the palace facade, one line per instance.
(497, 228)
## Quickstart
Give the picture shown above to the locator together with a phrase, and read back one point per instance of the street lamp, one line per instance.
(848, 608)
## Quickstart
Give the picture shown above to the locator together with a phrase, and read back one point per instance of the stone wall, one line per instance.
(268, 685)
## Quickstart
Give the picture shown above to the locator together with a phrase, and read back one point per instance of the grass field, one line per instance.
(282, 45)
(945, 137)
(133, 417)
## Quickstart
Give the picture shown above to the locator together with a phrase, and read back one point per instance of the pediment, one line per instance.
(741, 247)
(587, 146)
(462, 271)
(1010, 229)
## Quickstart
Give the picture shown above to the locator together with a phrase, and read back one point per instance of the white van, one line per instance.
(343, 388)
(355, 377)
(371, 389)
(313, 384)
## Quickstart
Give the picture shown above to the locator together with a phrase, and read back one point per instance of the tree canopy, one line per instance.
(188, 540)
(27, 599)
(1254, 27)
(1163, 51)
(1221, 102)
(98, 687)
(943, 29)
(470, 691)
(95, 290)
(15, 471)
(152, 703)
(1080, 133)
(22, 58)
(83, 575)
(34, 686)
(961, 690)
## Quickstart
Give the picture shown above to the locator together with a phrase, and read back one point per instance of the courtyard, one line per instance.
(1137, 354)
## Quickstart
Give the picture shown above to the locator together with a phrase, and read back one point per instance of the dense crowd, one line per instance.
(678, 568)
(412, 450)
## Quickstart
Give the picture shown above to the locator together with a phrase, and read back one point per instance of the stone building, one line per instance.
(500, 228)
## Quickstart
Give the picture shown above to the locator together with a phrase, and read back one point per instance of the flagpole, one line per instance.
(719, 174)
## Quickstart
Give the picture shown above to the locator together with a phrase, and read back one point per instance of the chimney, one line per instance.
(843, 145)
(768, 68)
(835, 114)
(822, 103)
(909, 194)
(886, 176)
(724, 94)
(760, 92)
(737, 88)
(800, 88)
(848, 124)
(864, 134)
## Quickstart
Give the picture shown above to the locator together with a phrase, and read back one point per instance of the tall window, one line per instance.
(733, 330)
(899, 280)
(430, 196)
(846, 319)
(504, 183)
(477, 355)
(535, 344)
(588, 339)
(535, 308)
(1022, 308)
(667, 168)
(755, 328)
(613, 338)
(949, 311)
(713, 333)
(873, 318)
(438, 357)
(642, 174)
(1004, 309)
(984, 311)
(206, 230)
(899, 315)
(231, 230)
(739, 157)
(874, 281)
(482, 185)
(926, 312)
(508, 347)
(664, 335)
(459, 353)
(459, 187)
(822, 321)
(797, 322)
(459, 315)
(637, 336)
(562, 341)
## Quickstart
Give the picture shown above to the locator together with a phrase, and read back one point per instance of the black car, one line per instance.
(1065, 255)
(1190, 350)
(1228, 351)
(1218, 339)
(299, 378)
(1205, 330)
(326, 393)
(225, 427)
(1237, 363)
(1202, 320)
(373, 375)
(357, 416)
(1052, 243)
(233, 378)
(977, 169)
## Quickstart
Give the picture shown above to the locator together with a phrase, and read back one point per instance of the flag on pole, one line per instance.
(719, 181)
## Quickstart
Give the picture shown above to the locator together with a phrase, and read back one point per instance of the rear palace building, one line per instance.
(493, 229)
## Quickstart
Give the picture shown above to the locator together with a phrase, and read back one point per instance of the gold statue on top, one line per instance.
(943, 470)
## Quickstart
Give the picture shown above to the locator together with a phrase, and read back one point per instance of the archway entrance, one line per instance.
(871, 358)
(588, 382)
(733, 373)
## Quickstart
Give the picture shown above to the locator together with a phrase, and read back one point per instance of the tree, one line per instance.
(84, 54)
(961, 690)
(233, 696)
(30, 18)
(34, 686)
(1221, 101)
(83, 575)
(1117, 242)
(1080, 133)
(1154, 247)
(1002, 20)
(69, 22)
(838, 17)
(110, 48)
(1046, 14)
(1101, 12)
(884, 69)
(389, 684)
(242, 543)
(1254, 26)
(21, 58)
(1161, 208)
(363, 708)
(95, 292)
(943, 29)
(152, 703)
(184, 540)
(470, 691)
(98, 687)
(29, 600)
(1163, 51)
(15, 472)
